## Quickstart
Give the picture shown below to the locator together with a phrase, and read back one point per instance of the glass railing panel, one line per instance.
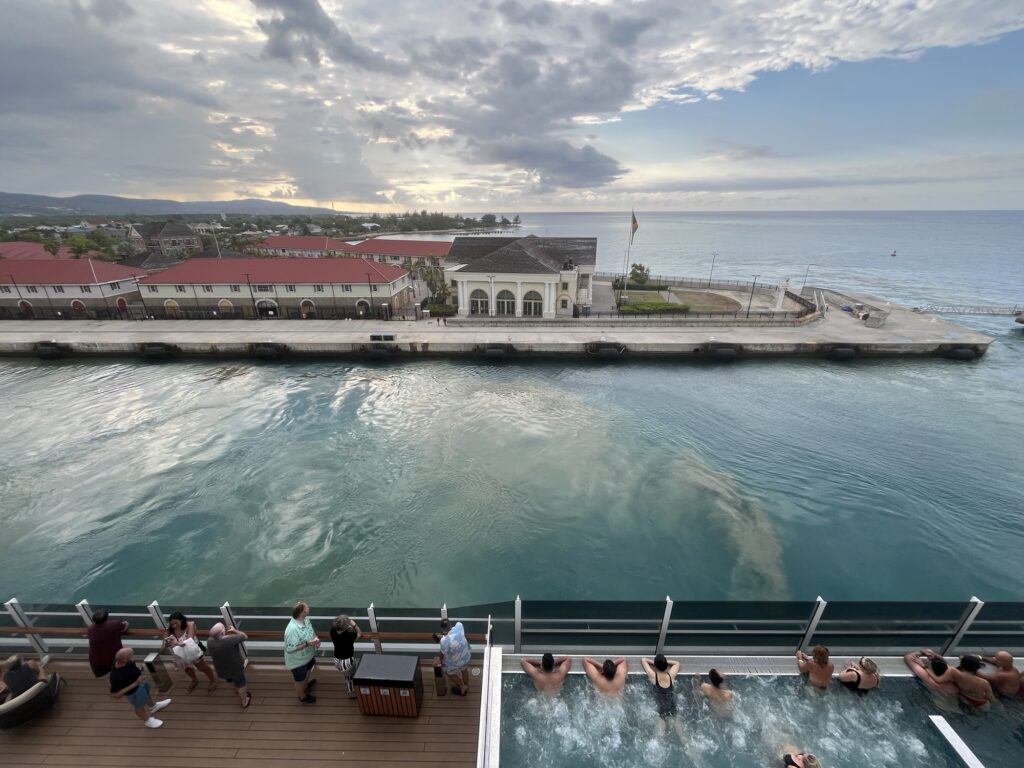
(890, 627)
(592, 624)
(737, 626)
(998, 625)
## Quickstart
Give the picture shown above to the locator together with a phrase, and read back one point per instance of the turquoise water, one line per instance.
(459, 482)
(885, 729)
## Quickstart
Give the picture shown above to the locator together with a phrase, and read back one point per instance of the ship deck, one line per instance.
(88, 727)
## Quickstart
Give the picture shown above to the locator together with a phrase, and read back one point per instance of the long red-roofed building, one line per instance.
(300, 246)
(408, 253)
(23, 251)
(299, 287)
(62, 287)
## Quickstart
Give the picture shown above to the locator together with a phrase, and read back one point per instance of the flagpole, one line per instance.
(629, 246)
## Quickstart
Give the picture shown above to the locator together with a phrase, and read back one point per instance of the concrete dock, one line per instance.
(838, 335)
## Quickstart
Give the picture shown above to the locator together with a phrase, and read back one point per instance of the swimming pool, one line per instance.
(579, 729)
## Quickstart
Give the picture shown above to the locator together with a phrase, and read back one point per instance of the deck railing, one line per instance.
(532, 626)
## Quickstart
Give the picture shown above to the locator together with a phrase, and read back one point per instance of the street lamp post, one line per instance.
(252, 296)
(751, 300)
(806, 272)
(712, 272)
(17, 288)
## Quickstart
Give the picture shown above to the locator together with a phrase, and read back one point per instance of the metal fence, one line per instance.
(693, 282)
(532, 626)
(142, 312)
(669, 314)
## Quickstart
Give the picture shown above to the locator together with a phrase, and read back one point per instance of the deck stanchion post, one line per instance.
(85, 611)
(228, 616)
(812, 624)
(444, 612)
(970, 613)
(157, 616)
(18, 614)
(660, 648)
(518, 640)
(371, 616)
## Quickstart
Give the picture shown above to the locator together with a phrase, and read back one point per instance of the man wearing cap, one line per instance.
(225, 648)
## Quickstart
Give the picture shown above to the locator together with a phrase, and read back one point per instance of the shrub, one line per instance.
(653, 307)
(441, 310)
(617, 285)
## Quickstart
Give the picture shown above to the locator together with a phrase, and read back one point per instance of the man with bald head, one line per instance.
(225, 647)
(1005, 679)
(126, 681)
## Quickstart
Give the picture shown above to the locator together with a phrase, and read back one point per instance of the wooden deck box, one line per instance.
(389, 685)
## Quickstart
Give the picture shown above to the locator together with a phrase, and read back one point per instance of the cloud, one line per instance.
(497, 100)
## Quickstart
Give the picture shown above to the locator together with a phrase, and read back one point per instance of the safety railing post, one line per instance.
(517, 643)
(970, 613)
(371, 616)
(228, 616)
(85, 611)
(444, 612)
(812, 625)
(660, 648)
(18, 614)
(157, 616)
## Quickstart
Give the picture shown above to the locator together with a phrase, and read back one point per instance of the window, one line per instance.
(58, 289)
(533, 304)
(565, 286)
(478, 303)
(373, 288)
(565, 303)
(31, 289)
(115, 286)
(153, 289)
(207, 289)
(85, 289)
(5, 289)
(505, 304)
(346, 288)
(236, 289)
(290, 288)
(318, 289)
(179, 288)
(263, 289)
(381, 257)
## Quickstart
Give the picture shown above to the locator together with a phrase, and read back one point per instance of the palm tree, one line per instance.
(52, 246)
(79, 246)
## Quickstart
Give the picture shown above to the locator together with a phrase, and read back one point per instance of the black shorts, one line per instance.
(101, 671)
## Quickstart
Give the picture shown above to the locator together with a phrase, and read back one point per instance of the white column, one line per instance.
(463, 297)
(549, 299)
(519, 298)
(491, 306)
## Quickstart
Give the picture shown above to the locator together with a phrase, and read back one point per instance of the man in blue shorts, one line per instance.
(126, 681)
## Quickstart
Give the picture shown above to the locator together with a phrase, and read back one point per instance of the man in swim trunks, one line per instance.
(973, 690)
(548, 674)
(930, 672)
(1005, 679)
(609, 677)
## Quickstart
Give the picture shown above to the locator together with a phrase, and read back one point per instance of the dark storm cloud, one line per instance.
(556, 162)
(302, 29)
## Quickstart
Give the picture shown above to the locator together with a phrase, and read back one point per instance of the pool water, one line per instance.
(889, 727)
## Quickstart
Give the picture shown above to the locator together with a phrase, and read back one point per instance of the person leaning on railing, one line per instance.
(344, 633)
(104, 641)
(300, 645)
(817, 667)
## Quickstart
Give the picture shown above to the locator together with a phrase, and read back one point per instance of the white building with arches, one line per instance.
(509, 277)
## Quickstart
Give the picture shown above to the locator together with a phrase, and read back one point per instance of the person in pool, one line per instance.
(860, 676)
(609, 677)
(1005, 679)
(718, 696)
(817, 667)
(548, 674)
(662, 675)
(931, 672)
(800, 759)
(973, 690)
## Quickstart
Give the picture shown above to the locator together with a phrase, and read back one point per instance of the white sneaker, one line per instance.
(159, 705)
(154, 723)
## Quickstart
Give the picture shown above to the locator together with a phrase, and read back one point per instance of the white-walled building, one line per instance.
(277, 288)
(66, 287)
(522, 276)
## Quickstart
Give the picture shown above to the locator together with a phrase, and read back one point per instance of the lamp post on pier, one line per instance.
(806, 272)
(751, 300)
(712, 272)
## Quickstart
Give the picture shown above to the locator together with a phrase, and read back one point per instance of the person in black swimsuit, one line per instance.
(860, 676)
(800, 760)
(662, 675)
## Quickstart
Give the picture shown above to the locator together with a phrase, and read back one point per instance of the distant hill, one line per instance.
(110, 205)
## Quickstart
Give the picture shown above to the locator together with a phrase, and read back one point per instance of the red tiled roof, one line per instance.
(379, 245)
(303, 243)
(269, 271)
(64, 272)
(21, 250)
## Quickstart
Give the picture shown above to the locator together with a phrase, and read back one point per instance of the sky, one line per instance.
(518, 105)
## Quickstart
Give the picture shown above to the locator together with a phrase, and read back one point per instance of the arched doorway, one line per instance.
(25, 310)
(533, 304)
(362, 308)
(505, 303)
(122, 305)
(77, 308)
(225, 308)
(267, 308)
(171, 309)
(478, 303)
(307, 308)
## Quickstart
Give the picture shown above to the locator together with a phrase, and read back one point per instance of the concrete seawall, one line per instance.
(837, 336)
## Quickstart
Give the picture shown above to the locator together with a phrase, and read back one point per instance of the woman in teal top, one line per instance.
(300, 645)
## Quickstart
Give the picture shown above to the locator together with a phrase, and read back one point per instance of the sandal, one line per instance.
(248, 701)
(192, 687)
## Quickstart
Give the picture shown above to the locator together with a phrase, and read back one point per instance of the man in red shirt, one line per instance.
(104, 641)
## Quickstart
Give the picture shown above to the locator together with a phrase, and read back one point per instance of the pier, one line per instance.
(835, 334)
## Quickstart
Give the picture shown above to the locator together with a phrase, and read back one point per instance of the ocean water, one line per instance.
(459, 482)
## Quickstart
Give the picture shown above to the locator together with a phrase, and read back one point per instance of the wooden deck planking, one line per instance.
(87, 727)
